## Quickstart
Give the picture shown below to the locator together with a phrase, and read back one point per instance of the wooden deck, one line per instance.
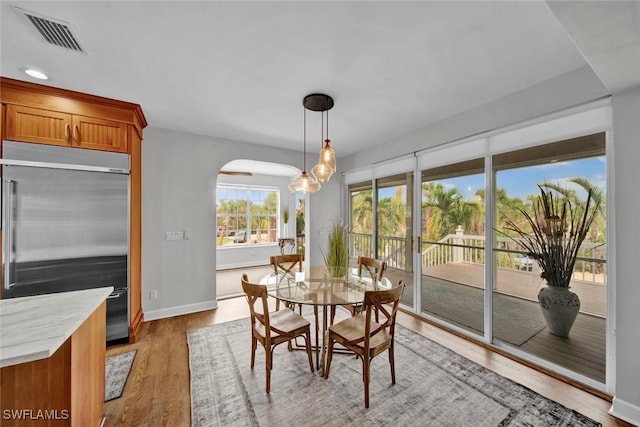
(455, 293)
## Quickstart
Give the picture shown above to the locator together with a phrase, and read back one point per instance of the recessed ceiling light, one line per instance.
(36, 74)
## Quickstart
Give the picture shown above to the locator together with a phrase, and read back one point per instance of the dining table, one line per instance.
(325, 288)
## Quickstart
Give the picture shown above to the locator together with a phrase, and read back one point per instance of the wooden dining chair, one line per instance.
(287, 264)
(375, 269)
(271, 329)
(365, 337)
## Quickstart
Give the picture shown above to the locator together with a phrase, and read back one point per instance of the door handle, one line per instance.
(9, 195)
(419, 247)
(67, 132)
(76, 134)
(411, 242)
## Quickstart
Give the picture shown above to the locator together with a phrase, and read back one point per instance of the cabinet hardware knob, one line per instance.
(67, 131)
(76, 134)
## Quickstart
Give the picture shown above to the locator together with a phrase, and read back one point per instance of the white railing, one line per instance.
(459, 247)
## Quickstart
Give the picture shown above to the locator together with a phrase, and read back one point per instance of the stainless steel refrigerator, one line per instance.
(65, 224)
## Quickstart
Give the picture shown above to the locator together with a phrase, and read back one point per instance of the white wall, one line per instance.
(244, 256)
(626, 134)
(179, 174)
(573, 88)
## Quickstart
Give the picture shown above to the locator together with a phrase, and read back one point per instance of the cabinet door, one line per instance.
(36, 125)
(99, 134)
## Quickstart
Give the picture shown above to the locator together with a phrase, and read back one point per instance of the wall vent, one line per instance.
(54, 31)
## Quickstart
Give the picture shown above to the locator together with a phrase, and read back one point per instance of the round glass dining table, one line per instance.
(322, 287)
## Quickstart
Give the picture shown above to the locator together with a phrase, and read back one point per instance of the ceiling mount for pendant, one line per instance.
(318, 102)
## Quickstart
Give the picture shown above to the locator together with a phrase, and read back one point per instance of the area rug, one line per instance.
(117, 371)
(434, 387)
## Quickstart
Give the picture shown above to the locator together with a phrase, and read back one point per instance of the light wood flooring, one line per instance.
(157, 391)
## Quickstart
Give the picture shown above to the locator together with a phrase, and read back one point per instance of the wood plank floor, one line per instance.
(157, 391)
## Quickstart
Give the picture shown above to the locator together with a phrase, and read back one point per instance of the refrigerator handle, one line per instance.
(9, 195)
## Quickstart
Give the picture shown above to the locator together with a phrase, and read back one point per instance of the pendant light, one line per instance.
(304, 183)
(326, 165)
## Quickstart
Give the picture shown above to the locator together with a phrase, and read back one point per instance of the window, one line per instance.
(246, 215)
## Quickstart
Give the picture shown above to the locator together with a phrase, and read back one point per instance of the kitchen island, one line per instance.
(52, 358)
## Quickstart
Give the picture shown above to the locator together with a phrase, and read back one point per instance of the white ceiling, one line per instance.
(239, 70)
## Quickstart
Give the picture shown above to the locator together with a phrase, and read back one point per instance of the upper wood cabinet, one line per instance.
(29, 124)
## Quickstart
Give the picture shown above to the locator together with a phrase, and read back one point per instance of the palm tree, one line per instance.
(445, 209)
(362, 212)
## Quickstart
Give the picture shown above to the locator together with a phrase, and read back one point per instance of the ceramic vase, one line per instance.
(560, 308)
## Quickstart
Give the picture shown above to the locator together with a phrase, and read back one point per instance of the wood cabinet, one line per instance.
(29, 124)
(45, 115)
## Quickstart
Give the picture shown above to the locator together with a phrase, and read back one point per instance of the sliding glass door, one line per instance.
(394, 226)
(567, 169)
(453, 236)
(460, 267)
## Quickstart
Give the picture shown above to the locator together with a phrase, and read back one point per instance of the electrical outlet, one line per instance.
(153, 294)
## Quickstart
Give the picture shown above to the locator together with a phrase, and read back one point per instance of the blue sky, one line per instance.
(521, 182)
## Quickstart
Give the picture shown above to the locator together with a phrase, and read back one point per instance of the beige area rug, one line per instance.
(117, 371)
(434, 387)
(228, 281)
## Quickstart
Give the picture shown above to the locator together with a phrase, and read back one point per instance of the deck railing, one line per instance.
(459, 247)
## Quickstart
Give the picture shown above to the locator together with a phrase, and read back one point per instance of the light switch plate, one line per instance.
(173, 235)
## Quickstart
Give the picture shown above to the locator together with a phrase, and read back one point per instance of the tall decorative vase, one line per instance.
(560, 308)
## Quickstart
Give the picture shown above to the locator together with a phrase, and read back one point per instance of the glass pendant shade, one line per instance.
(304, 184)
(326, 165)
(328, 156)
(321, 172)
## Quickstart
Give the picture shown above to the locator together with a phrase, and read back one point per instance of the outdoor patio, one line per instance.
(454, 292)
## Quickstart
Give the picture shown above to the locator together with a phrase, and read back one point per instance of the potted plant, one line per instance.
(337, 255)
(552, 237)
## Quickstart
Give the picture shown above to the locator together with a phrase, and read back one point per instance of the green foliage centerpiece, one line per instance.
(337, 255)
(552, 237)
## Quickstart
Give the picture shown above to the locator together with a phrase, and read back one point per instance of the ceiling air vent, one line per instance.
(54, 31)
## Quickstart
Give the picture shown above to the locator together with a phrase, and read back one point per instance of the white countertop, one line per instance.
(33, 328)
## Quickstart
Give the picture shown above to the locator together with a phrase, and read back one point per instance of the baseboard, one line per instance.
(179, 310)
(625, 411)
(241, 265)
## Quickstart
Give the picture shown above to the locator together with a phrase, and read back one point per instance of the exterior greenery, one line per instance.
(246, 215)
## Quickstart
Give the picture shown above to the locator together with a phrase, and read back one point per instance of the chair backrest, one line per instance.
(374, 267)
(255, 293)
(385, 302)
(286, 263)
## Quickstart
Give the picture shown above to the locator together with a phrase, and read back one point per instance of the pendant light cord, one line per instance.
(327, 124)
(322, 131)
(304, 139)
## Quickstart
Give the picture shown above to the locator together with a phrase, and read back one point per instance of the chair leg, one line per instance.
(269, 354)
(365, 378)
(333, 314)
(315, 315)
(393, 364)
(254, 344)
(308, 340)
(329, 357)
